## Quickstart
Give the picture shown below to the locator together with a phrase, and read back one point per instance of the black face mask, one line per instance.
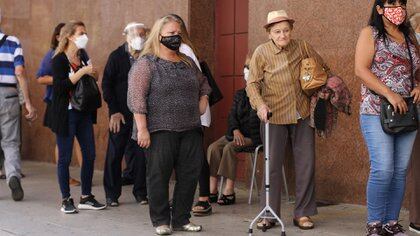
(172, 42)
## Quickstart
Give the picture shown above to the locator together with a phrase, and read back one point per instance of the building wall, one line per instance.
(332, 27)
(32, 21)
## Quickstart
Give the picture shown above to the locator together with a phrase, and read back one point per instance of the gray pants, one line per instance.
(10, 130)
(303, 146)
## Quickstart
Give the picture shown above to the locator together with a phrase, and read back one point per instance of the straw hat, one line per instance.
(276, 17)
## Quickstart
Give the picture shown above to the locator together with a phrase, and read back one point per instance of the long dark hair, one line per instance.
(54, 41)
(377, 21)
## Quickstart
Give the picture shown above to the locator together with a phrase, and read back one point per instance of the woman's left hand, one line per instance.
(416, 94)
(204, 101)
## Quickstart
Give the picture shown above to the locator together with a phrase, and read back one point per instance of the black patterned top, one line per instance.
(167, 92)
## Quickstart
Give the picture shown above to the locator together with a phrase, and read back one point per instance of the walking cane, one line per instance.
(267, 212)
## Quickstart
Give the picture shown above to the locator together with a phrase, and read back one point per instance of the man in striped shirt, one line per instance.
(12, 73)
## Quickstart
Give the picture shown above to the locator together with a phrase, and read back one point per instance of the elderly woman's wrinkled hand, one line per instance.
(262, 112)
(238, 138)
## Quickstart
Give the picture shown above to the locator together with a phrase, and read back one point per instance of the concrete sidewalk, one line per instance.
(39, 214)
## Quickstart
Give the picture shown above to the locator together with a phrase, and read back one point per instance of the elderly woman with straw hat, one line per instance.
(273, 86)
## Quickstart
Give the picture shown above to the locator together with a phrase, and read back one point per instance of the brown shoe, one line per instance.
(74, 182)
(304, 223)
(264, 224)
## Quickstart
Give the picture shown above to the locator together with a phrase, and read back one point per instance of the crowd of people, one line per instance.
(157, 94)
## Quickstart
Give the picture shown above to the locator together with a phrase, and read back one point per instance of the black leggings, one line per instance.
(204, 180)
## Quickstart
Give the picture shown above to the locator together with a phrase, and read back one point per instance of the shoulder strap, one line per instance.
(3, 40)
(83, 56)
(411, 62)
(306, 49)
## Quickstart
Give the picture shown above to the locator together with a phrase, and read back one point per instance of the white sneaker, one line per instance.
(163, 230)
(414, 228)
(190, 227)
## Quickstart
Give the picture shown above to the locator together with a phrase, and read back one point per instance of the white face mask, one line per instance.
(246, 74)
(81, 41)
(137, 43)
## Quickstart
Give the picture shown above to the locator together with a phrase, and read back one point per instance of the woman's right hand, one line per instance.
(262, 112)
(397, 102)
(143, 138)
(89, 70)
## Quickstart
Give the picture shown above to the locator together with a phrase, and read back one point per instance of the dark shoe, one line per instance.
(414, 228)
(304, 223)
(17, 191)
(2, 176)
(213, 197)
(202, 208)
(67, 206)
(142, 200)
(227, 199)
(394, 228)
(264, 224)
(22, 175)
(126, 181)
(374, 229)
(190, 227)
(112, 203)
(89, 203)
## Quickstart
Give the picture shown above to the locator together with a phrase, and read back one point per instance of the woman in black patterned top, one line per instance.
(167, 94)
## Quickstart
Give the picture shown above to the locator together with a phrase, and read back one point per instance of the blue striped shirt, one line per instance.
(11, 56)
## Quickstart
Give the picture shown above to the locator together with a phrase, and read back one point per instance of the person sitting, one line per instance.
(243, 131)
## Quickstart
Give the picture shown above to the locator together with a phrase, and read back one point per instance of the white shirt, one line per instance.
(185, 49)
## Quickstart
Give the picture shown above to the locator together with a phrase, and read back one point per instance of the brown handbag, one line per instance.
(312, 74)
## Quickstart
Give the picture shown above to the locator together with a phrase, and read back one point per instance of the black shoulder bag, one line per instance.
(393, 122)
(215, 95)
(86, 97)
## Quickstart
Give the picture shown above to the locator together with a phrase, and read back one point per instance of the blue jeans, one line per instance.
(389, 158)
(81, 127)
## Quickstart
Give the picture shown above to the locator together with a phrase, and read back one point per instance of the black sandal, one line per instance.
(213, 197)
(205, 210)
(227, 199)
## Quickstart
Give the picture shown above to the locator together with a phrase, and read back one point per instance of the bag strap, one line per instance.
(3, 40)
(411, 68)
(411, 63)
(306, 50)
